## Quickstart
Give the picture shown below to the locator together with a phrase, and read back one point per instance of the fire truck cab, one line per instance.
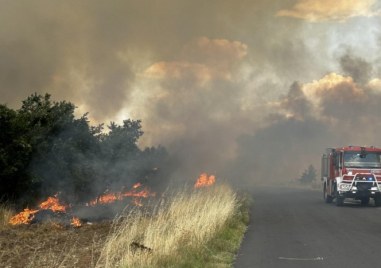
(351, 172)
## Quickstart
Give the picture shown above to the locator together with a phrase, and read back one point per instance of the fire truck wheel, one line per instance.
(327, 198)
(364, 201)
(339, 201)
(377, 201)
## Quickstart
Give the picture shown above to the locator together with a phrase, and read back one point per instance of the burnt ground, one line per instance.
(296, 228)
(50, 241)
(51, 245)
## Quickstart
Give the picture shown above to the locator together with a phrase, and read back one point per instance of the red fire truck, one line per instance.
(352, 172)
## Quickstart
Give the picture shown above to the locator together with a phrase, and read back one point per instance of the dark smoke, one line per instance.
(359, 69)
(296, 103)
(213, 82)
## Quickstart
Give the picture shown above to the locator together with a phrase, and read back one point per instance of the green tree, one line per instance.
(64, 148)
(15, 153)
(44, 149)
(308, 176)
(121, 157)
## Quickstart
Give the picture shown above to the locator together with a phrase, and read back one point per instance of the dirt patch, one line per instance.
(51, 245)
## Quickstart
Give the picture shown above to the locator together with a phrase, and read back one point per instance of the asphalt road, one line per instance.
(295, 228)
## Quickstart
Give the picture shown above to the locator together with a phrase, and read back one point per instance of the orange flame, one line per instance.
(27, 215)
(53, 204)
(204, 180)
(112, 197)
(105, 199)
(137, 185)
(75, 222)
(24, 217)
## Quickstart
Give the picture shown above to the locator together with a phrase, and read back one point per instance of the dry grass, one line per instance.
(51, 245)
(184, 222)
(198, 228)
(48, 244)
(5, 214)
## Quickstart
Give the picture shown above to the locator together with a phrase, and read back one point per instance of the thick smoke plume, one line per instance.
(213, 82)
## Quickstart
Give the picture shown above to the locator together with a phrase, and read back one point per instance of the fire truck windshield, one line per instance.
(359, 160)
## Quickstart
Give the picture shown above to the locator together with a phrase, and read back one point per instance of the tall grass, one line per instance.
(5, 214)
(186, 221)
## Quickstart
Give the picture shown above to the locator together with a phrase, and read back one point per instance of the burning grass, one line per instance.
(191, 228)
(52, 208)
(179, 230)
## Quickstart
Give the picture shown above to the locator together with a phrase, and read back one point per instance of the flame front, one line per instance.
(27, 215)
(24, 217)
(105, 199)
(108, 198)
(53, 204)
(204, 180)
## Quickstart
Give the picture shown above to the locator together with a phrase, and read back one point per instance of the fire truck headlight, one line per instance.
(344, 187)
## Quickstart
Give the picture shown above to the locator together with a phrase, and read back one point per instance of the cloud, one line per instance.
(215, 51)
(340, 100)
(375, 85)
(180, 70)
(327, 10)
(203, 60)
(337, 97)
(332, 85)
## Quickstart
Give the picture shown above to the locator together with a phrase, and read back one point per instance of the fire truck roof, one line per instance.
(359, 148)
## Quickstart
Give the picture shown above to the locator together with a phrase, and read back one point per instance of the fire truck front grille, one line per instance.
(364, 186)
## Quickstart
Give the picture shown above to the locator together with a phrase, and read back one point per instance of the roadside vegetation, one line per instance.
(308, 179)
(201, 228)
(190, 228)
(308, 176)
(45, 150)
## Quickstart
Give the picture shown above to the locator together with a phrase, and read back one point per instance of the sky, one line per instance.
(244, 89)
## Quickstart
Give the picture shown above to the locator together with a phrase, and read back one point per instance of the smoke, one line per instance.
(213, 82)
(359, 69)
(323, 10)
(332, 111)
